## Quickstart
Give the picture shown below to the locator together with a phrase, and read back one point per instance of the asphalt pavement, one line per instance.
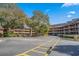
(66, 48)
(18, 45)
(38, 46)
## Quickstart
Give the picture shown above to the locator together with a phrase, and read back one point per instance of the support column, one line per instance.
(30, 31)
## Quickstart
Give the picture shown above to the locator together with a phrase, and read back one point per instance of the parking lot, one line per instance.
(23, 46)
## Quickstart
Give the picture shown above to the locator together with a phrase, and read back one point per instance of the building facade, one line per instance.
(69, 28)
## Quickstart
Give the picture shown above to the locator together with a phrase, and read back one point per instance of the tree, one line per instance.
(14, 22)
(12, 16)
(1, 21)
(40, 23)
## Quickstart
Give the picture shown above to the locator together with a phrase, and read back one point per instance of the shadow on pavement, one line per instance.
(72, 50)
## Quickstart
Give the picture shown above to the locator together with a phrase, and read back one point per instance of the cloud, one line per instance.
(72, 12)
(69, 4)
(69, 16)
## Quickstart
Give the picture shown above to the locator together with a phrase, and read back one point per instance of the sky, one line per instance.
(57, 12)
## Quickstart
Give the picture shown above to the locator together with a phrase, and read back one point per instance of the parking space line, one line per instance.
(46, 54)
(31, 49)
(23, 54)
(56, 44)
(41, 46)
(38, 51)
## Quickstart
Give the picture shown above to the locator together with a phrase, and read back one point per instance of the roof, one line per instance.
(67, 23)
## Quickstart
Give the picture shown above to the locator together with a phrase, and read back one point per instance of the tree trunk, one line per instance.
(46, 34)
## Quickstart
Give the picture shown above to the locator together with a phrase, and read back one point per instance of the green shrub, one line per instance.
(8, 34)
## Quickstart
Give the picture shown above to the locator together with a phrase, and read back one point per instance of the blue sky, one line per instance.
(58, 12)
